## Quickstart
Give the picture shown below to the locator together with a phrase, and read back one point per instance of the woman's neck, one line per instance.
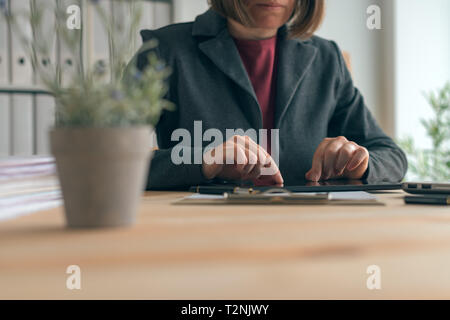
(239, 31)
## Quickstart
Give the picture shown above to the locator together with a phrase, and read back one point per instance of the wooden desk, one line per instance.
(239, 252)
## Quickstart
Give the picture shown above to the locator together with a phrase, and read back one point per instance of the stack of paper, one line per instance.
(27, 185)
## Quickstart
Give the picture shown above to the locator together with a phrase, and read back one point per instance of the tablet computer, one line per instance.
(341, 185)
(426, 188)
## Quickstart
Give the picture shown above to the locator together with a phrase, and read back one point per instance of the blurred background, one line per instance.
(395, 67)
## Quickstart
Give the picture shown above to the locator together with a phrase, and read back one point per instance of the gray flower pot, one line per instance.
(102, 172)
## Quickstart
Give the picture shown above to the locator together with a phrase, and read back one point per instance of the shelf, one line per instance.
(23, 90)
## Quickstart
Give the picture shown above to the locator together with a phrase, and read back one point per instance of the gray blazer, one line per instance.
(316, 99)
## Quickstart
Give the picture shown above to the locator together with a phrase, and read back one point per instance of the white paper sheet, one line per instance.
(345, 195)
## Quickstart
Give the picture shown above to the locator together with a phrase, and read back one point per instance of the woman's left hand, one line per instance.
(338, 158)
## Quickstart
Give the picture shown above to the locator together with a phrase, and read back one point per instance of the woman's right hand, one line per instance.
(240, 158)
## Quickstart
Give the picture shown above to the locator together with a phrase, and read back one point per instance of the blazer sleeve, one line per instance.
(353, 120)
(163, 174)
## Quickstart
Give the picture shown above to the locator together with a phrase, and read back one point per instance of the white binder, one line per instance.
(98, 37)
(185, 11)
(22, 125)
(46, 34)
(123, 20)
(4, 81)
(21, 111)
(44, 105)
(148, 15)
(163, 14)
(45, 120)
(4, 49)
(4, 125)
(22, 71)
(67, 57)
(147, 21)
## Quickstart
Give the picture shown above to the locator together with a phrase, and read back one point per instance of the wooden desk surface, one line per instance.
(239, 252)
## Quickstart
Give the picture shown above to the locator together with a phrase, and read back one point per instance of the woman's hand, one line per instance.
(240, 158)
(338, 158)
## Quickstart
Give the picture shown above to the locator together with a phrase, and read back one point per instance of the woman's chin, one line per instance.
(268, 23)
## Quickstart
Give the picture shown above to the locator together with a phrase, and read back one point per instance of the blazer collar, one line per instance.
(209, 23)
(294, 59)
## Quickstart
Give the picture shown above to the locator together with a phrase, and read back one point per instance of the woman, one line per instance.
(255, 64)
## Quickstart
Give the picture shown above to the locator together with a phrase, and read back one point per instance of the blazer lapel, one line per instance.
(222, 51)
(295, 57)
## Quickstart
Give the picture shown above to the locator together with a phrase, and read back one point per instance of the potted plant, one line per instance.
(101, 139)
(432, 164)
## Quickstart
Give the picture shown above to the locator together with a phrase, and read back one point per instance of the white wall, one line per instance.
(345, 23)
(187, 10)
(423, 60)
(394, 66)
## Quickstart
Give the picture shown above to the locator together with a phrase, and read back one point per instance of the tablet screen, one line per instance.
(323, 186)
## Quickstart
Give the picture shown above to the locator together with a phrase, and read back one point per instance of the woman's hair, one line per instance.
(305, 20)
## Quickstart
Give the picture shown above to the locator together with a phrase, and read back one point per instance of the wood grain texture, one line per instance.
(239, 252)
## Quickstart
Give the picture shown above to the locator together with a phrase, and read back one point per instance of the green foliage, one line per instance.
(108, 94)
(433, 163)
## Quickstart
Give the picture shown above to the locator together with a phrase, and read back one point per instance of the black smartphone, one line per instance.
(436, 199)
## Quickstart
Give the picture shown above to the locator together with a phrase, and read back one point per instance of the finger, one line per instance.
(213, 163)
(271, 169)
(250, 145)
(358, 158)
(235, 157)
(267, 181)
(229, 151)
(330, 156)
(263, 157)
(344, 156)
(247, 150)
(277, 178)
(252, 162)
(316, 170)
(254, 174)
(269, 166)
(236, 154)
(272, 172)
(252, 159)
(241, 157)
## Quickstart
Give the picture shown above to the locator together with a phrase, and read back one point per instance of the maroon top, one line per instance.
(259, 58)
